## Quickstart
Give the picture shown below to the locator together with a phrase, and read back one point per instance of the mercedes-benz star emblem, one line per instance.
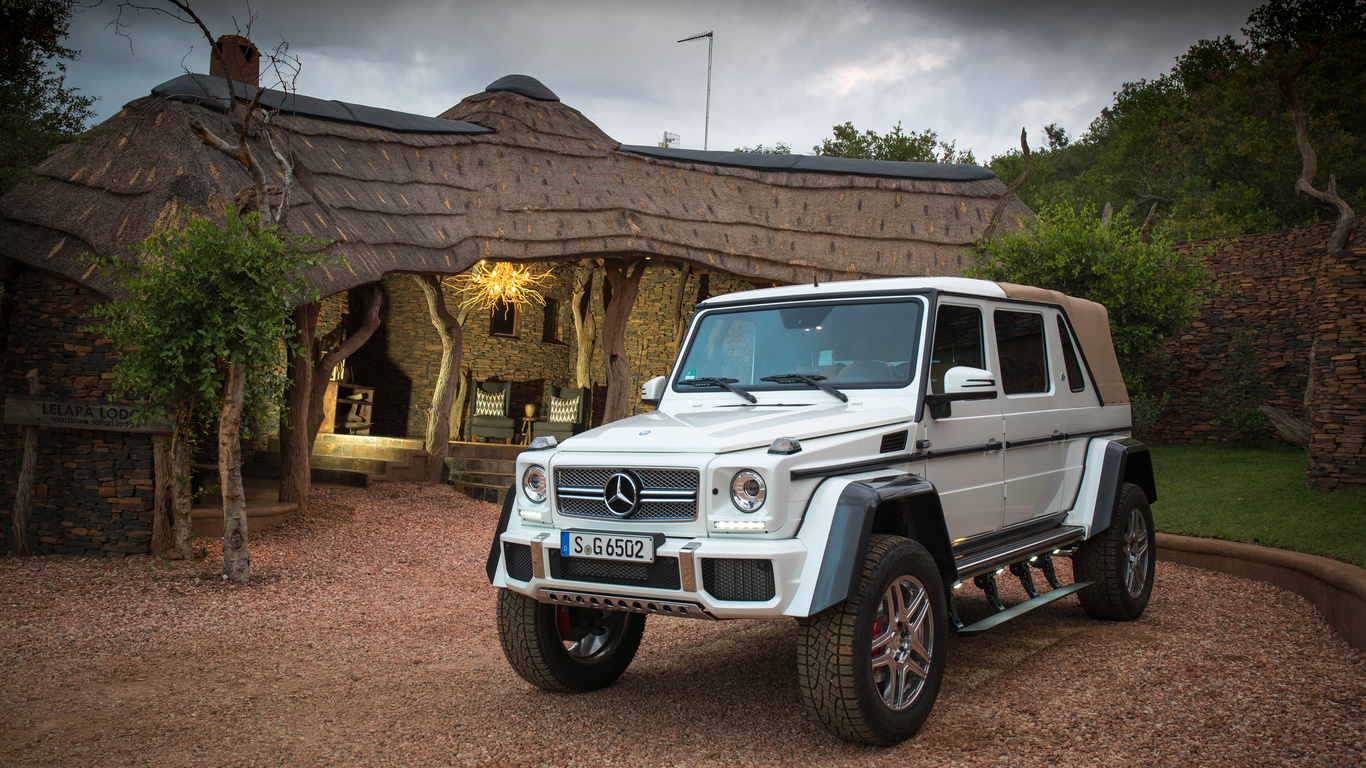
(621, 494)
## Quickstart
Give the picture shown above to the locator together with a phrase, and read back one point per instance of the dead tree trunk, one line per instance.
(585, 325)
(163, 490)
(23, 496)
(624, 279)
(1325, 454)
(438, 438)
(236, 560)
(1014, 187)
(324, 365)
(295, 446)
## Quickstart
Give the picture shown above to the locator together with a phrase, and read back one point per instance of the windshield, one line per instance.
(851, 345)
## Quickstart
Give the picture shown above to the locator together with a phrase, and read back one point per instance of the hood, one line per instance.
(723, 430)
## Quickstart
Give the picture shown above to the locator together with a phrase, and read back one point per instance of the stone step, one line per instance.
(364, 466)
(480, 478)
(350, 448)
(493, 494)
(486, 451)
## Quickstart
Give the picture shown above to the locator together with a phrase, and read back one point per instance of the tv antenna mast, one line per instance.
(670, 139)
(706, 126)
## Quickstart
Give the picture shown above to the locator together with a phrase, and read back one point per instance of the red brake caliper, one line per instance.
(879, 624)
(562, 622)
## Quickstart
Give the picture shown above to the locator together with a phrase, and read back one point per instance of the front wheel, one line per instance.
(870, 667)
(566, 649)
(1120, 560)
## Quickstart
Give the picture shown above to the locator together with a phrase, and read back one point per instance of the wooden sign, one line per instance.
(69, 413)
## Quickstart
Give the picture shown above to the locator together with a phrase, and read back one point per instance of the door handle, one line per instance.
(993, 445)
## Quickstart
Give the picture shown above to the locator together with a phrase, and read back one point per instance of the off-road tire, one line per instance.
(533, 646)
(834, 650)
(1105, 559)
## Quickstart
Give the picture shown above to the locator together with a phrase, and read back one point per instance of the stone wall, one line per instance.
(403, 358)
(93, 489)
(1278, 289)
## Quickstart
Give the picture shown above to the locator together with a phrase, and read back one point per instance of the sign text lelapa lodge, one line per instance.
(76, 414)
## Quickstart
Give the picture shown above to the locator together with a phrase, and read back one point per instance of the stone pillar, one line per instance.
(1337, 404)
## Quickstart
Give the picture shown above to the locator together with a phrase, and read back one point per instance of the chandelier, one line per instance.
(485, 286)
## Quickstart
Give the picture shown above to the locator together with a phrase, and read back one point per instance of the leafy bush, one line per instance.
(1237, 404)
(1151, 290)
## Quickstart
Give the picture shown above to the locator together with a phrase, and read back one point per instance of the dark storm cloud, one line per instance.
(973, 70)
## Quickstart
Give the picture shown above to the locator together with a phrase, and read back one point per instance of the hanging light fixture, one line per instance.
(486, 286)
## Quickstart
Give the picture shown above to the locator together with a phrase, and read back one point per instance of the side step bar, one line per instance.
(978, 563)
(1025, 607)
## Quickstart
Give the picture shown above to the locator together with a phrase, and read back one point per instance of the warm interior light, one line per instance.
(485, 286)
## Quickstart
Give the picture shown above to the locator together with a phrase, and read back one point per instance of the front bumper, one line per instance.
(674, 585)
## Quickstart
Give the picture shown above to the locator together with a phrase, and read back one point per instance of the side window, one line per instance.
(1075, 379)
(1024, 359)
(957, 341)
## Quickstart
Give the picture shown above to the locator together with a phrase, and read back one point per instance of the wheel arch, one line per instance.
(1125, 461)
(900, 505)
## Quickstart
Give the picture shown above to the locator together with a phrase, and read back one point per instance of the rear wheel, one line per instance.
(566, 649)
(1120, 560)
(870, 667)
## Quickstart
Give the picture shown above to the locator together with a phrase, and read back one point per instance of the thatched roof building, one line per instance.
(508, 174)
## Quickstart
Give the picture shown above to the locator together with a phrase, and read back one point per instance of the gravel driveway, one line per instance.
(367, 638)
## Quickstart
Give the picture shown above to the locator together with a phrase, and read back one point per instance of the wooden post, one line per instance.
(23, 497)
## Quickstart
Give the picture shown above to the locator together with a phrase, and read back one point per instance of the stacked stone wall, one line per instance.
(92, 489)
(1337, 400)
(1269, 288)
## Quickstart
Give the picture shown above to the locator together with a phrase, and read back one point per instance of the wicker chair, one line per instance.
(489, 411)
(565, 413)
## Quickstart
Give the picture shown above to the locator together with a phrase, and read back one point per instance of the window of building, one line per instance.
(1024, 360)
(550, 328)
(957, 341)
(503, 321)
(1075, 380)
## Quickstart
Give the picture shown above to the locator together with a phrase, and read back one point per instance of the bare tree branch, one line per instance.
(1328, 201)
(1146, 235)
(1010, 191)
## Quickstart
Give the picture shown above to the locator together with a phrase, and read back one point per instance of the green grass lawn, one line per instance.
(1241, 493)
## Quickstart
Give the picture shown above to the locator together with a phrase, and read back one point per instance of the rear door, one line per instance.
(1033, 409)
(965, 449)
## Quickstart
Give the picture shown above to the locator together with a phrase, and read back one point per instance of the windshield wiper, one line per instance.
(726, 384)
(814, 380)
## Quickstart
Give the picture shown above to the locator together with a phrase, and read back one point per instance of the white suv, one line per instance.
(848, 455)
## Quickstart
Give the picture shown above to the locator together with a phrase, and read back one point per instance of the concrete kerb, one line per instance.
(1337, 589)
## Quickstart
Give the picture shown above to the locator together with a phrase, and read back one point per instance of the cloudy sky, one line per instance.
(975, 71)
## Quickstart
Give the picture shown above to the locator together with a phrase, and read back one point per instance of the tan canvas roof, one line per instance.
(1091, 323)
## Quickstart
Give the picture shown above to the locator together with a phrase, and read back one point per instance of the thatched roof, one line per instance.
(545, 184)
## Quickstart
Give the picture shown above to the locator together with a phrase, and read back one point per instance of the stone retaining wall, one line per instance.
(93, 489)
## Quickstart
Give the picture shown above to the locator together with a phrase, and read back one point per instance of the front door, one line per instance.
(1035, 423)
(965, 462)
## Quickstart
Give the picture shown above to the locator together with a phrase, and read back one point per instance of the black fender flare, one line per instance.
(494, 550)
(903, 505)
(1126, 461)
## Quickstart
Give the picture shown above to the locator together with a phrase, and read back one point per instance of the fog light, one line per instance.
(738, 525)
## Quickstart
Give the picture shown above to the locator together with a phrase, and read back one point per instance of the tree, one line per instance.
(777, 149)
(1212, 139)
(619, 296)
(1150, 288)
(207, 308)
(38, 111)
(923, 147)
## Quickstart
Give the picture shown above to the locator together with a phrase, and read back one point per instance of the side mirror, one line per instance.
(962, 383)
(652, 390)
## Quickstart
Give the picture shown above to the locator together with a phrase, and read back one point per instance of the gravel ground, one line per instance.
(367, 638)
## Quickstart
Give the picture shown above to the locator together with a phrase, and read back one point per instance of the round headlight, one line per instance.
(747, 490)
(534, 483)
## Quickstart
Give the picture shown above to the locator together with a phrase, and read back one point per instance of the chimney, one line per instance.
(242, 58)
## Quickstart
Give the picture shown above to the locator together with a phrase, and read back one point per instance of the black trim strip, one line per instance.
(1019, 532)
(1036, 441)
(856, 466)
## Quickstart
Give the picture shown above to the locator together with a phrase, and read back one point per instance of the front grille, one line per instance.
(894, 442)
(661, 574)
(666, 494)
(517, 560)
(741, 580)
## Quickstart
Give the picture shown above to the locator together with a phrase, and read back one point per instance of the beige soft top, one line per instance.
(1091, 323)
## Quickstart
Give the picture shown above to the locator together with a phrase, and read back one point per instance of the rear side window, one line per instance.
(957, 341)
(1024, 359)
(1069, 358)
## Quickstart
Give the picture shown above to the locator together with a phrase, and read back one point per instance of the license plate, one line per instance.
(608, 546)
